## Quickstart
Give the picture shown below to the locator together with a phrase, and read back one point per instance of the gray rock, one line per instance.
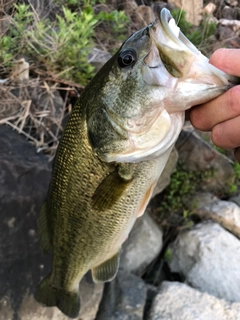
(98, 58)
(226, 213)
(223, 33)
(200, 156)
(231, 13)
(165, 177)
(123, 298)
(91, 295)
(177, 301)
(152, 291)
(24, 179)
(209, 258)
(236, 199)
(142, 246)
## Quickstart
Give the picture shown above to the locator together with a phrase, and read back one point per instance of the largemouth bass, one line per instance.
(114, 148)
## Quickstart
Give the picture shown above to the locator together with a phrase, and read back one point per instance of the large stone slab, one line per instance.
(226, 213)
(177, 301)
(208, 256)
(24, 178)
(123, 299)
(142, 246)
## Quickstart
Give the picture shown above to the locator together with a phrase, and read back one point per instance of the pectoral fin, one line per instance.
(107, 270)
(109, 191)
(43, 230)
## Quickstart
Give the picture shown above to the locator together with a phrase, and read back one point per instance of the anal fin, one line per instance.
(43, 230)
(107, 270)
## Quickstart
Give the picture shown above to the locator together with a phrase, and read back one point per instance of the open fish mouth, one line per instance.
(173, 33)
(178, 54)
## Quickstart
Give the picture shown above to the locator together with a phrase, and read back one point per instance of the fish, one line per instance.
(113, 150)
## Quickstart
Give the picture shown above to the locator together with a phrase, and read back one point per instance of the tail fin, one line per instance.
(66, 301)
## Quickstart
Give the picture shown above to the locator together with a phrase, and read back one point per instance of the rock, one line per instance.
(193, 9)
(129, 7)
(177, 301)
(226, 213)
(233, 24)
(145, 14)
(32, 310)
(236, 199)
(142, 246)
(157, 7)
(231, 13)
(20, 71)
(209, 257)
(198, 155)
(227, 13)
(24, 182)
(123, 298)
(152, 291)
(91, 295)
(224, 33)
(98, 58)
(165, 177)
(209, 8)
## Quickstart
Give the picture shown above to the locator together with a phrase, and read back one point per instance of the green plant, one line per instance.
(182, 186)
(236, 167)
(60, 48)
(168, 254)
(234, 186)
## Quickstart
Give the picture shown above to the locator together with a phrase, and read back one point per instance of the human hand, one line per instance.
(221, 116)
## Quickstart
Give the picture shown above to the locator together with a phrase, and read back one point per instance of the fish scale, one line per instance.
(113, 150)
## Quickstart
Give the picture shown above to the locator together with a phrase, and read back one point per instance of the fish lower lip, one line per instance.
(165, 20)
(168, 24)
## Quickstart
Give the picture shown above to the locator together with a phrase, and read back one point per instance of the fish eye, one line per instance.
(126, 58)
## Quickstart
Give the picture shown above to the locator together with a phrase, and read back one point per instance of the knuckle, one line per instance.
(198, 118)
(225, 135)
(234, 101)
(217, 136)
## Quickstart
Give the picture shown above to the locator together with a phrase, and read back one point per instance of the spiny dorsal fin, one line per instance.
(109, 191)
(107, 270)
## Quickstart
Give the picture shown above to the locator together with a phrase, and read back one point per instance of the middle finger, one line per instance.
(225, 107)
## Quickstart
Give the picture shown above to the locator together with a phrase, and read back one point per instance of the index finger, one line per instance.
(228, 60)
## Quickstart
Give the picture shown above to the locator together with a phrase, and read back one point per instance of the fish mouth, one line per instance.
(170, 48)
(177, 53)
(172, 32)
